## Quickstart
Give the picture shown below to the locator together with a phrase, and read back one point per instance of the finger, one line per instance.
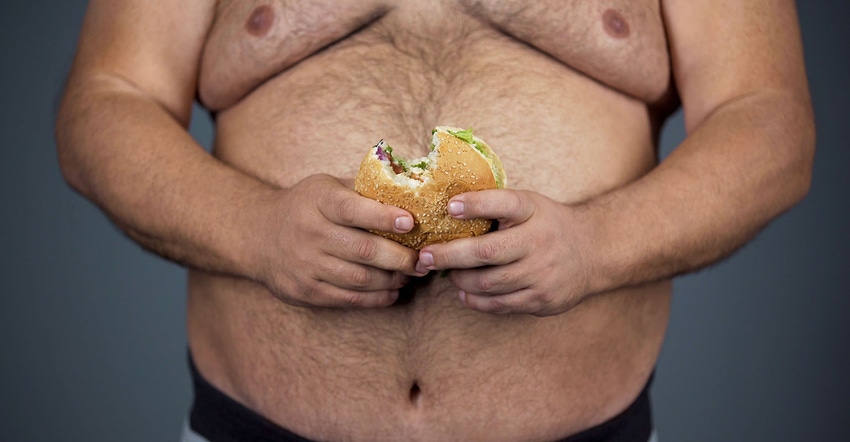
(348, 208)
(510, 207)
(347, 182)
(491, 281)
(516, 302)
(494, 248)
(361, 247)
(358, 277)
(325, 294)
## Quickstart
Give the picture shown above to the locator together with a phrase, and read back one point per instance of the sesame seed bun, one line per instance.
(459, 162)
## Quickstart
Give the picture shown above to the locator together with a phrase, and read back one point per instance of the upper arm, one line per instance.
(727, 49)
(151, 46)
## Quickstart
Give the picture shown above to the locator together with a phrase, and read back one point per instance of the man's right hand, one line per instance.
(316, 250)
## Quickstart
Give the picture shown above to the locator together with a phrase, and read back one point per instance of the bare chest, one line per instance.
(619, 43)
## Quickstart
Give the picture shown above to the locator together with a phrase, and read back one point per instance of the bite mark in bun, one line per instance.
(458, 162)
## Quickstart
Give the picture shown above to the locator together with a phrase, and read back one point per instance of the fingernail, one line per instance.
(456, 208)
(462, 295)
(420, 268)
(403, 223)
(426, 259)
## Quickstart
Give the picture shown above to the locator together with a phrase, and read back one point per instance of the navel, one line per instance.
(260, 21)
(415, 394)
(615, 24)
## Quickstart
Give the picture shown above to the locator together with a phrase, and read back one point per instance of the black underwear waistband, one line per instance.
(219, 418)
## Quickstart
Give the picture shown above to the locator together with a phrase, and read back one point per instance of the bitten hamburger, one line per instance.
(459, 162)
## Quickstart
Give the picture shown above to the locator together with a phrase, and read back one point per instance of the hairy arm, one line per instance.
(748, 152)
(747, 157)
(122, 140)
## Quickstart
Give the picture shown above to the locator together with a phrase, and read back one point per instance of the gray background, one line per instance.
(92, 342)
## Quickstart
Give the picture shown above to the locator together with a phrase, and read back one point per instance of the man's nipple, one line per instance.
(615, 24)
(260, 21)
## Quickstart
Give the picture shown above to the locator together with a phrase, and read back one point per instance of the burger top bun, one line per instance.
(459, 162)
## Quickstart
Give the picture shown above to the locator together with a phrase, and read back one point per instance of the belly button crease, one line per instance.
(415, 394)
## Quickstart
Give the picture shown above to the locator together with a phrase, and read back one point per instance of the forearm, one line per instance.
(125, 152)
(746, 163)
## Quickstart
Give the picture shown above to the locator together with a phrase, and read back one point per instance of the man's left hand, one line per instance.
(535, 262)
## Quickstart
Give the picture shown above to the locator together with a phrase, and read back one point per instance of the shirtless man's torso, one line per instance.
(570, 94)
(569, 118)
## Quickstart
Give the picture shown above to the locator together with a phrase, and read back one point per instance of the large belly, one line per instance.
(430, 367)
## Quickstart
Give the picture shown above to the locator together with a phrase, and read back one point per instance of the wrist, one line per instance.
(258, 224)
(605, 245)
